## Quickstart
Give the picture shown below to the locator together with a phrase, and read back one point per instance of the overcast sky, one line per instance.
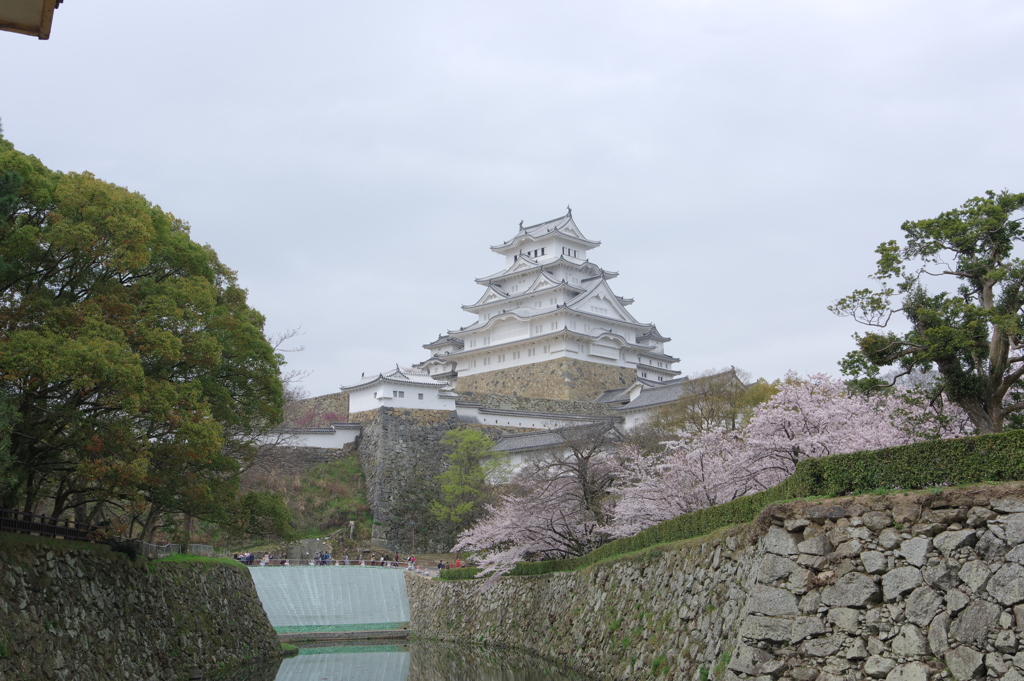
(739, 161)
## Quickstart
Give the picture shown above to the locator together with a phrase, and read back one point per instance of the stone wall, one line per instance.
(322, 410)
(401, 455)
(903, 588)
(557, 379)
(278, 465)
(82, 613)
(538, 404)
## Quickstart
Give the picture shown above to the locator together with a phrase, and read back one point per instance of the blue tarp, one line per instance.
(325, 595)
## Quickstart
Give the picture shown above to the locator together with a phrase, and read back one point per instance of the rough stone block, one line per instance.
(806, 627)
(876, 521)
(906, 514)
(795, 524)
(846, 619)
(941, 575)
(774, 567)
(748, 660)
(1007, 584)
(850, 549)
(910, 642)
(1008, 505)
(878, 667)
(858, 650)
(779, 542)
(938, 634)
(1014, 527)
(916, 550)
(902, 580)
(927, 529)
(823, 647)
(820, 514)
(1006, 642)
(874, 562)
(1016, 555)
(964, 662)
(889, 538)
(947, 542)
(922, 604)
(975, 622)
(956, 600)
(810, 602)
(913, 671)
(990, 547)
(768, 600)
(816, 546)
(774, 629)
(975, 575)
(853, 590)
(978, 516)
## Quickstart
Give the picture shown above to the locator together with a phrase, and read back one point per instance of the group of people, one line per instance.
(441, 565)
(245, 558)
(324, 558)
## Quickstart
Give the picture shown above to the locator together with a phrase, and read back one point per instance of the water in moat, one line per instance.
(406, 661)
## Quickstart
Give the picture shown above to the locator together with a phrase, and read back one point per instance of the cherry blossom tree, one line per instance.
(808, 417)
(559, 504)
(571, 503)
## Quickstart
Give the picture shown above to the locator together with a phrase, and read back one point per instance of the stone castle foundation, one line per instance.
(557, 379)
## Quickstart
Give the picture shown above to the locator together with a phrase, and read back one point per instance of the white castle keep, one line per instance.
(549, 302)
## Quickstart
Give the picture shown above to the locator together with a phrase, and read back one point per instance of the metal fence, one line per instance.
(47, 526)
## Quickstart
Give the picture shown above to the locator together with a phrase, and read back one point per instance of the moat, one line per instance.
(407, 661)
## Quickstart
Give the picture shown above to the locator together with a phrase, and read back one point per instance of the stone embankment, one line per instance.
(401, 453)
(902, 587)
(79, 612)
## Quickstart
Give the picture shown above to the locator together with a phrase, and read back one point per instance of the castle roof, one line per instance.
(398, 376)
(525, 263)
(563, 226)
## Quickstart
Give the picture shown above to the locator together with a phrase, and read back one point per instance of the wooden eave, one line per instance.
(28, 17)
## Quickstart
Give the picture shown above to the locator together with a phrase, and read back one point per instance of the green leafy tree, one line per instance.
(136, 369)
(968, 329)
(466, 484)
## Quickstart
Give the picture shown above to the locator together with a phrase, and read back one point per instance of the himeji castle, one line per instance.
(548, 324)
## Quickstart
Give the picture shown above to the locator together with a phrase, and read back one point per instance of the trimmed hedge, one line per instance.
(458, 573)
(985, 458)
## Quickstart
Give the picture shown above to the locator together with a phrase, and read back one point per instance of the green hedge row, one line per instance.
(458, 573)
(985, 458)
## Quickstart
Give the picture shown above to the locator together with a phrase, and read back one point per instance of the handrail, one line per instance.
(333, 562)
(24, 522)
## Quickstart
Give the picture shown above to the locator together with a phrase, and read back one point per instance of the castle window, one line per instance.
(398, 393)
(542, 251)
(420, 396)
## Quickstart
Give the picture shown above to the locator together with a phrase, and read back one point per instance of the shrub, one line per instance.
(458, 573)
